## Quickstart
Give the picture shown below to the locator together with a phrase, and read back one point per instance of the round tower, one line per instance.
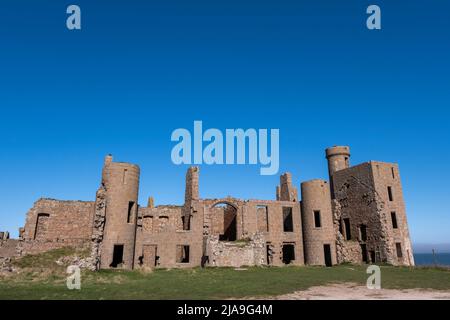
(121, 182)
(317, 219)
(338, 158)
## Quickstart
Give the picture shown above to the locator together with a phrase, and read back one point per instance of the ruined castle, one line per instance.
(358, 216)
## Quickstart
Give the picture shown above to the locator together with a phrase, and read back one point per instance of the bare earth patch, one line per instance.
(351, 291)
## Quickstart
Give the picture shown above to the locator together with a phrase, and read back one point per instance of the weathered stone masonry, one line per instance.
(358, 216)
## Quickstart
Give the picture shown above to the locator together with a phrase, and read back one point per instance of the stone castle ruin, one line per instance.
(357, 217)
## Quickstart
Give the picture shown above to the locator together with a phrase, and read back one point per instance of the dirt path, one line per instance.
(349, 291)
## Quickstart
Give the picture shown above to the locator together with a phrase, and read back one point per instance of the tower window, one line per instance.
(393, 173)
(124, 178)
(363, 232)
(130, 215)
(317, 222)
(288, 225)
(394, 220)
(348, 232)
(398, 246)
(391, 198)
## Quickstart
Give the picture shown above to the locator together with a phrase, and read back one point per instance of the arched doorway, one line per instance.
(225, 216)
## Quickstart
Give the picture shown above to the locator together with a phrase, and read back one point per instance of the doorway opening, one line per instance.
(327, 255)
(117, 256)
(288, 253)
(364, 253)
(228, 224)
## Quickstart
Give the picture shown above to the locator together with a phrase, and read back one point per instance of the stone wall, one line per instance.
(53, 224)
(8, 248)
(361, 202)
(251, 252)
(160, 235)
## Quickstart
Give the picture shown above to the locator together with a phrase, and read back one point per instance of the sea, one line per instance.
(428, 259)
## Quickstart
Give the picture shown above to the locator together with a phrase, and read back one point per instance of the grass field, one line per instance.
(41, 278)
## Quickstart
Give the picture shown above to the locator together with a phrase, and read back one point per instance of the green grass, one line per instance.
(208, 283)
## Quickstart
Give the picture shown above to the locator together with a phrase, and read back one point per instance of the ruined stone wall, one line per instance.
(276, 237)
(269, 226)
(8, 248)
(160, 235)
(362, 196)
(52, 224)
(359, 203)
(248, 252)
(387, 175)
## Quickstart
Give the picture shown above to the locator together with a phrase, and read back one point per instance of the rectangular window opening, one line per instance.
(398, 246)
(393, 173)
(186, 222)
(269, 253)
(372, 256)
(124, 178)
(317, 222)
(348, 232)
(130, 216)
(288, 253)
(288, 224)
(364, 253)
(394, 220)
(327, 255)
(182, 254)
(117, 256)
(363, 232)
(391, 198)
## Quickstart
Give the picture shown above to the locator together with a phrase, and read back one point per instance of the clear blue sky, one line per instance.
(139, 69)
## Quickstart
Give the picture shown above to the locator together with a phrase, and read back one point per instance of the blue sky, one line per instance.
(140, 69)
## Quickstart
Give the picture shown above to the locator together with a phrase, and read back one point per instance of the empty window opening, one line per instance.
(398, 246)
(186, 222)
(269, 252)
(394, 220)
(117, 256)
(372, 256)
(393, 173)
(327, 255)
(391, 198)
(182, 254)
(363, 232)
(317, 222)
(228, 224)
(340, 227)
(288, 224)
(130, 216)
(288, 253)
(348, 232)
(364, 253)
(41, 226)
(125, 174)
(262, 213)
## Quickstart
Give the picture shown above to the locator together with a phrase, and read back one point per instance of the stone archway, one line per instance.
(224, 215)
